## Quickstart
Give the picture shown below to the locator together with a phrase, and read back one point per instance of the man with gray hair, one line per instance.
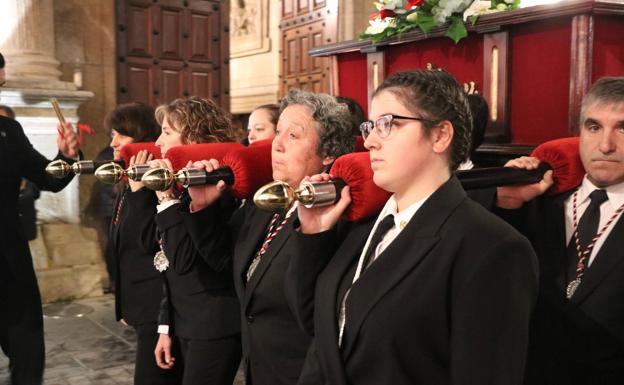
(577, 331)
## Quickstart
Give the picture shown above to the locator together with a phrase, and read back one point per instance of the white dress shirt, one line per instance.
(615, 194)
(401, 219)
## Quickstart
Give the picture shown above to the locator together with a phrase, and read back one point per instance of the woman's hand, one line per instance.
(164, 360)
(204, 196)
(317, 219)
(513, 197)
(142, 157)
(171, 193)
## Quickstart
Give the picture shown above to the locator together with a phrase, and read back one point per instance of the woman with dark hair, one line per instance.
(262, 123)
(199, 286)
(435, 290)
(138, 286)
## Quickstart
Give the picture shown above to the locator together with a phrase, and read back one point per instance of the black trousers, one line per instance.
(211, 362)
(146, 372)
(21, 326)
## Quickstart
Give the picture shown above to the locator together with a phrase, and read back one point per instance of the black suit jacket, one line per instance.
(447, 302)
(202, 300)
(20, 160)
(274, 342)
(138, 285)
(580, 341)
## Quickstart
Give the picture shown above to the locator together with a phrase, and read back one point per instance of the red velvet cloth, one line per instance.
(464, 60)
(367, 199)
(251, 167)
(181, 155)
(352, 78)
(563, 157)
(539, 80)
(131, 149)
(608, 52)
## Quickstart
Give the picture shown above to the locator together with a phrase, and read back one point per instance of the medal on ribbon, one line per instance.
(161, 262)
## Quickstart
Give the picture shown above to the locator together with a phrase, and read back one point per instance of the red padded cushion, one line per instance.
(181, 155)
(563, 156)
(367, 199)
(251, 167)
(131, 149)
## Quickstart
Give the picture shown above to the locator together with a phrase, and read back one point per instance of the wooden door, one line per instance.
(306, 24)
(168, 49)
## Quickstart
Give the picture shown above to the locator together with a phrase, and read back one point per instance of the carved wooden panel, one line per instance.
(315, 24)
(139, 79)
(319, 4)
(288, 8)
(303, 6)
(140, 41)
(172, 48)
(171, 20)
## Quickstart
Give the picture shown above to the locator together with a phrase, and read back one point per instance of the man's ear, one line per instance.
(442, 136)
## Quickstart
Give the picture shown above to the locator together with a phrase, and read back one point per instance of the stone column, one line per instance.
(33, 77)
(27, 39)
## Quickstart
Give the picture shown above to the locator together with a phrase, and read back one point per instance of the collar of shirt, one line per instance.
(616, 199)
(466, 165)
(614, 192)
(401, 219)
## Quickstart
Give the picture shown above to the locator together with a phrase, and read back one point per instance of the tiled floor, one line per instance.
(89, 350)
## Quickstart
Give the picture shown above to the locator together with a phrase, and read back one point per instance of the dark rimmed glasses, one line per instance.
(383, 125)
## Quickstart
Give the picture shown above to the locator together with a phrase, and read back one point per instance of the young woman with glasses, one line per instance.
(435, 290)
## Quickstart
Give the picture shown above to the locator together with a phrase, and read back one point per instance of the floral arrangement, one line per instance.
(398, 16)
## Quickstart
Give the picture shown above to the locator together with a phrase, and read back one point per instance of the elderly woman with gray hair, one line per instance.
(312, 131)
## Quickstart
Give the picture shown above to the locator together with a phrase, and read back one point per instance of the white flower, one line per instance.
(445, 8)
(389, 4)
(378, 25)
(479, 7)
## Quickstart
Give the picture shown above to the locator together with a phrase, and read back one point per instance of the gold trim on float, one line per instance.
(494, 85)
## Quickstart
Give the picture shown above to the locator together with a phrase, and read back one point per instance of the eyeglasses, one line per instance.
(383, 125)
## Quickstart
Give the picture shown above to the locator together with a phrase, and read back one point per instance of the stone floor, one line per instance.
(85, 346)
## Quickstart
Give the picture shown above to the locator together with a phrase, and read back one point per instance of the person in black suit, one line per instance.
(200, 301)
(138, 286)
(435, 290)
(29, 193)
(21, 320)
(577, 332)
(312, 130)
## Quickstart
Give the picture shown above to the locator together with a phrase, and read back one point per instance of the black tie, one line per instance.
(587, 229)
(382, 228)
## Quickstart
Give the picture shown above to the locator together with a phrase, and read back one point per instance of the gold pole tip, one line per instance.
(58, 168)
(109, 173)
(276, 196)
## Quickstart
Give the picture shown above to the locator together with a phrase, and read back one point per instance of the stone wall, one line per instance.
(254, 79)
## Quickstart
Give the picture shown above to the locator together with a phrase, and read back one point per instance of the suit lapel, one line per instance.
(340, 268)
(246, 250)
(114, 227)
(400, 258)
(274, 248)
(555, 242)
(609, 255)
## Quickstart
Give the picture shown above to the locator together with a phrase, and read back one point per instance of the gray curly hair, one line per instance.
(333, 120)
